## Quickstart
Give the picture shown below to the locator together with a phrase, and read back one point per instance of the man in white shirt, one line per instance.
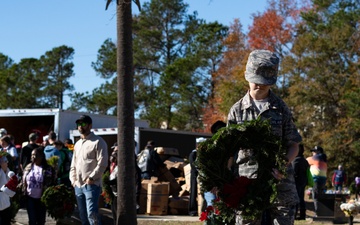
(89, 162)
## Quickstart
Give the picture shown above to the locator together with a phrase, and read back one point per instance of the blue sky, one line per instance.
(30, 28)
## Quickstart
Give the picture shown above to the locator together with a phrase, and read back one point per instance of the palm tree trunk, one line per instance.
(126, 203)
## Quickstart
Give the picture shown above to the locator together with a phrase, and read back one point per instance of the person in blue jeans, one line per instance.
(89, 162)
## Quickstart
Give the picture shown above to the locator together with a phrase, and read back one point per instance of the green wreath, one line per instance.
(59, 201)
(107, 193)
(251, 196)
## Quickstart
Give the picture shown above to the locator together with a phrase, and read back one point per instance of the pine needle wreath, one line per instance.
(107, 193)
(250, 196)
(59, 201)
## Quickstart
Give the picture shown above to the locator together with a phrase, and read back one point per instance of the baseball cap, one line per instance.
(262, 67)
(317, 149)
(85, 119)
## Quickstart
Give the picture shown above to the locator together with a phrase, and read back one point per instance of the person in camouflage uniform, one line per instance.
(260, 101)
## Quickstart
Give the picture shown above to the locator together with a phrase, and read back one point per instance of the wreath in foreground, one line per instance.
(250, 196)
(59, 201)
(107, 193)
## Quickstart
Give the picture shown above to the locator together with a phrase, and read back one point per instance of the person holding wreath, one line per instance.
(261, 102)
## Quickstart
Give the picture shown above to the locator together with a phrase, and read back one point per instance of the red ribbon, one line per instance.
(235, 191)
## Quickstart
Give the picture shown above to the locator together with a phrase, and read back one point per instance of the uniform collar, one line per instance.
(247, 101)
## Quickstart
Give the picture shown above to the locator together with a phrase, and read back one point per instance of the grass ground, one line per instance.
(298, 222)
(153, 222)
(309, 213)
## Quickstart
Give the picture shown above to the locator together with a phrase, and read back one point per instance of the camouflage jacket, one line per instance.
(280, 117)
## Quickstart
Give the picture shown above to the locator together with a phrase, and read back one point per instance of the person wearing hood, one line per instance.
(51, 150)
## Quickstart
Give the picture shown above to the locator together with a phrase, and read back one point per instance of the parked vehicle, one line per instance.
(184, 141)
(21, 122)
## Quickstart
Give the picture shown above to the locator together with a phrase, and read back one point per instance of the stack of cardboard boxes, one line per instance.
(168, 193)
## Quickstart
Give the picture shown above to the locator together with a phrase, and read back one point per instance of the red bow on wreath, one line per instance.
(208, 212)
(235, 190)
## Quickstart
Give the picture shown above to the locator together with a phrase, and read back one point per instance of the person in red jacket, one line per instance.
(339, 178)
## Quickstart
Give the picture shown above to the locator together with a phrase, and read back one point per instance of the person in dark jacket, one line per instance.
(193, 204)
(148, 160)
(357, 187)
(300, 166)
(25, 155)
(209, 197)
(339, 178)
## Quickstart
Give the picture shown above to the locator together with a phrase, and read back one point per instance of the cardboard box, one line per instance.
(187, 174)
(143, 196)
(174, 165)
(179, 206)
(166, 175)
(157, 198)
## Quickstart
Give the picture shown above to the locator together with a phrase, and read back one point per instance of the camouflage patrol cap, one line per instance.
(262, 67)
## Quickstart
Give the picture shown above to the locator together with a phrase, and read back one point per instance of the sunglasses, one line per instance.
(83, 124)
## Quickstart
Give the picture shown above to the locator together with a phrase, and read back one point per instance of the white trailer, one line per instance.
(21, 122)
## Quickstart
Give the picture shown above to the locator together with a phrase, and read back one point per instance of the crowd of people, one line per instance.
(80, 167)
(32, 170)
